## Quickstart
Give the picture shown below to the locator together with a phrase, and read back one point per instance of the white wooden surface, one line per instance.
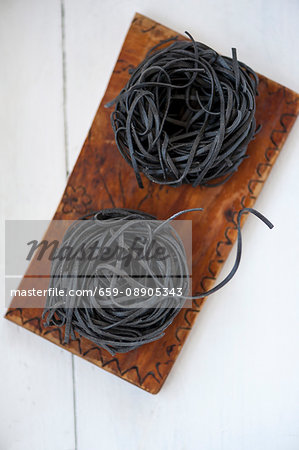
(235, 384)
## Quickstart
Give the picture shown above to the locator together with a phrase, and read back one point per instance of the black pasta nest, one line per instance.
(186, 115)
(117, 321)
(122, 321)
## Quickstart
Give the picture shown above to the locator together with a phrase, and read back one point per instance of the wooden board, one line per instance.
(102, 179)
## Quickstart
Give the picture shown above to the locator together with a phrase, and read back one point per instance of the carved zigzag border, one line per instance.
(275, 146)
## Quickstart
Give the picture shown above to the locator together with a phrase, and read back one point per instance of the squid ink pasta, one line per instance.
(108, 265)
(186, 115)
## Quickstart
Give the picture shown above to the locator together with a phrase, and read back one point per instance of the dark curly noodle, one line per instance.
(122, 323)
(186, 115)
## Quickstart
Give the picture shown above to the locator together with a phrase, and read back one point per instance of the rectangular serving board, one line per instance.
(102, 179)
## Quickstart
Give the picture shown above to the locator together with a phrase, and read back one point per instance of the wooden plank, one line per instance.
(34, 376)
(234, 377)
(90, 186)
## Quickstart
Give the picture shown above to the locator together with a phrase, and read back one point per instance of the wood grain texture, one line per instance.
(102, 179)
(32, 153)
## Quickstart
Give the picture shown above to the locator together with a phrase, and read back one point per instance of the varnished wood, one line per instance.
(102, 179)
